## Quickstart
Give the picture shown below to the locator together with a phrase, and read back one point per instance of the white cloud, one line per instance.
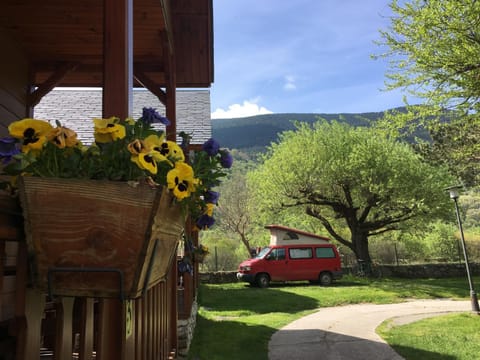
(289, 83)
(248, 108)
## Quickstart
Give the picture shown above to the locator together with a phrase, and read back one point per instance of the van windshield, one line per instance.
(262, 253)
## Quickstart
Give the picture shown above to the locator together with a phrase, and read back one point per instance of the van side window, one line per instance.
(277, 254)
(300, 253)
(324, 252)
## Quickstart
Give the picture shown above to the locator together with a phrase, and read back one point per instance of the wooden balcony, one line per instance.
(32, 326)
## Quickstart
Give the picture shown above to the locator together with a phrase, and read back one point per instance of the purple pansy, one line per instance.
(211, 147)
(226, 159)
(185, 266)
(211, 197)
(205, 222)
(8, 148)
(151, 116)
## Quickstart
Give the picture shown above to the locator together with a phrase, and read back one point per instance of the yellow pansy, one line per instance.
(63, 137)
(108, 130)
(31, 132)
(181, 180)
(172, 150)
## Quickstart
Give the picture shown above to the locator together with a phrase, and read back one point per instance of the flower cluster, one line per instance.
(126, 150)
(201, 250)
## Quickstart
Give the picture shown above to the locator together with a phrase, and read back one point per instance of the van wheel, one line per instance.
(325, 279)
(263, 280)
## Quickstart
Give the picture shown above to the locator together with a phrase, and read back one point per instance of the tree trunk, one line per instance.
(360, 246)
(246, 243)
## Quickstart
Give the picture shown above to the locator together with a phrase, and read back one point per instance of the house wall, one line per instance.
(76, 108)
(13, 83)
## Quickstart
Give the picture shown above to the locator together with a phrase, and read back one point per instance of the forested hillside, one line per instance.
(256, 132)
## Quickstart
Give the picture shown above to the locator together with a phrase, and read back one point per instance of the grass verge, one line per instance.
(236, 321)
(447, 337)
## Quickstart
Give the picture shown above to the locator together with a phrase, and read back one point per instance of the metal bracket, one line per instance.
(86, 270)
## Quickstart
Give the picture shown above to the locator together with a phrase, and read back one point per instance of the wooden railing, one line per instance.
(35, 327)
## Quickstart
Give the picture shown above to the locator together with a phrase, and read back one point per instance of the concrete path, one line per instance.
(348, 332)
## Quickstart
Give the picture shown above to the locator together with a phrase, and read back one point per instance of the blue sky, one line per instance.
(300, 56)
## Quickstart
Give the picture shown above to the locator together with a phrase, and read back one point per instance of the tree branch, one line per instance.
(326, 224)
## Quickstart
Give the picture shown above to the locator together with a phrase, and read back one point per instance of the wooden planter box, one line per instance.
(98, 238)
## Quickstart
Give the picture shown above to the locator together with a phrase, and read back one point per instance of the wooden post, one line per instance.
(117, 58)
(171, 89)
(117, 101)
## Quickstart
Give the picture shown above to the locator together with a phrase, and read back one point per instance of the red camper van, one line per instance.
(291, 256)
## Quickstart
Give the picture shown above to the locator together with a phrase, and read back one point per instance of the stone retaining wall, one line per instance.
(401, 271)
(185, 328)
(429, 270)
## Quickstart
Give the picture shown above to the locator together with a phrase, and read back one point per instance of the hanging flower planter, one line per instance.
(116, 233)
(98, 238)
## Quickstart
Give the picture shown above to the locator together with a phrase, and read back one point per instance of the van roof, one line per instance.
(300, 232)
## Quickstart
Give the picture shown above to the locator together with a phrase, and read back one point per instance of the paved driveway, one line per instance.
(348, 332)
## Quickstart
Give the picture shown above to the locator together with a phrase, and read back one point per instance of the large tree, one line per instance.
(354, 178)
(433, 48)
(456, 145)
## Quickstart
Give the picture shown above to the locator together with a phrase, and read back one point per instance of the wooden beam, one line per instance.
(42, 90)
(117, 58)
(151, 86)
(167, 17)
(171, 90)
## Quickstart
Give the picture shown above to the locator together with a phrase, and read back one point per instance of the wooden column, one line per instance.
(171, 92)
(117, 101)
(118, 58)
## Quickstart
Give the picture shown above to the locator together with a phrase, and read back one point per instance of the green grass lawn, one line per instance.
(454, 336)
(236, 321)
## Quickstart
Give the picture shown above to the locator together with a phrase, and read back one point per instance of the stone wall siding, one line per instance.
(400, 271)
(75, 109)
(185, 329)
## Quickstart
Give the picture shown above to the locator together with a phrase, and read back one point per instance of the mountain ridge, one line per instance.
(259, 131)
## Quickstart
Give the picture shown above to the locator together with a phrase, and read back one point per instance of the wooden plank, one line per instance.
(141, 339)
(150, 316)
(142, 335)
(68, 239)
(172, 291)
(19, 326)
(130, 329)
(63, 328)
(111, 334)
(164, 314)
(2, 277)
(7, 296)
(29, 336)
(87, 332)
